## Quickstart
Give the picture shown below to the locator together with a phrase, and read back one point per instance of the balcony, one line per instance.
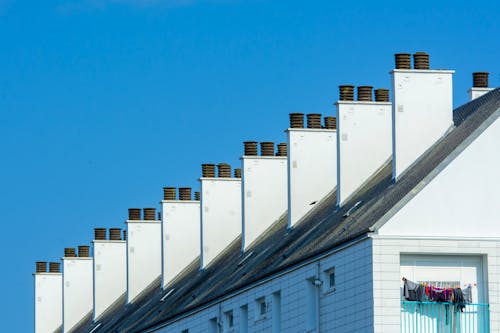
(432, 317)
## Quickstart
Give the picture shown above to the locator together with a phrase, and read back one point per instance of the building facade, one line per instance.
(395, 227)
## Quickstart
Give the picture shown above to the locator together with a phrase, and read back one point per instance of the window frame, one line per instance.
(328, 273)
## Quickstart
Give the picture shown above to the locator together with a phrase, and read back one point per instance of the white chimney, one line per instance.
(264, 188)
(143, 251)
(312, 165)
(180, 232)
(364, 139)
(479, 85)
(422, 109)
(110, 270)
(48, 298)
(220, 211)
(77, 287)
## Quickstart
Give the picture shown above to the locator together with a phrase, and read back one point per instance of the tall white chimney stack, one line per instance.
(312, 163)
(264, 188)
(110, 269)
(220, 211)
(422, 108)
(180, 231)
(143, 251)
(480, 85)
(48, 297)
(77, 287)
(364, 137)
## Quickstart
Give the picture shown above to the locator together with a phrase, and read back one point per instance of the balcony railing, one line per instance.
(432, 317)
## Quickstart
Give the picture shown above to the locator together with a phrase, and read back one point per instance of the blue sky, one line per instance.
(104, 102)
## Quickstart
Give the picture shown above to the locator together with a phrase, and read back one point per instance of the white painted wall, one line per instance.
(181, 236)
(478, 92)
(348, 309)
(387, 253)
(220, 215)
(421, 113)
(265, 194)
(77, 290)
(462, 199)
(312, 169)
(364, 143)
(143, 256)
(48, 302)
(110, 273)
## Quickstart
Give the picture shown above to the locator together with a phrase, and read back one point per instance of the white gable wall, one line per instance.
(421, 114)
(110, 273)
(143, 256)
(77, 290)
(265, 190)
(312, 169)
(220, 216)
(48, 302)
(462, 200)
(364, 143)
(181, 236)
(478, 92)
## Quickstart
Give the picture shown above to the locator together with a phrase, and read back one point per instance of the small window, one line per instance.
(212, 325)
(330, 279)
(276, 312)
(228, 321)
(260, 308)
(244, 319)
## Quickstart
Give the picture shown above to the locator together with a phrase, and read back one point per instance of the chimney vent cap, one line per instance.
(134, 214)
(115, 233)
(403, 60)
(282, 149)
(169, 193)
(100, 233)
(149, 214)
(314, 120)
(480, 79)
(208, 170)
(296, 120)
(330, 122)
(250, 148)
(346, 92)
(365, 93)
(421, 60)
(224, 170)
(381, 95)
(267, 148)
(237, 173)
(184, 193)
(41, 266)
(84, 251)
(70, 252)
(54, 267)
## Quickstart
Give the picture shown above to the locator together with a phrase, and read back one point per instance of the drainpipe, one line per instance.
(317, 284)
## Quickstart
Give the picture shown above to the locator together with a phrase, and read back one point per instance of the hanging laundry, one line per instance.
(467, 292)
(458, 299)
(413, 291)
(440, 294)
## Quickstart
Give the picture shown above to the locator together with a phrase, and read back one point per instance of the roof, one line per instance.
(325, 228)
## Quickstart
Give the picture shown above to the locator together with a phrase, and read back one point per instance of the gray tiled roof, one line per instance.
(324, 229)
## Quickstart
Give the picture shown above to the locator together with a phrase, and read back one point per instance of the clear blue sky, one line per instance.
(104, 102)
